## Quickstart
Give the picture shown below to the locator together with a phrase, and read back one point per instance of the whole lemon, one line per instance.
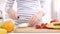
(8, 25)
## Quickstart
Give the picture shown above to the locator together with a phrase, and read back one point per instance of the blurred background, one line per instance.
(52, 8)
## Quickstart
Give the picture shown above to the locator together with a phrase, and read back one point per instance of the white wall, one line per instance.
(57, 8)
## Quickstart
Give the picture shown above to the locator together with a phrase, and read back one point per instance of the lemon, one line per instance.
(8, 25)
(3, 31)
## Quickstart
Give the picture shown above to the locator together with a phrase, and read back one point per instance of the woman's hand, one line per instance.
(33, 20)
(12, 14)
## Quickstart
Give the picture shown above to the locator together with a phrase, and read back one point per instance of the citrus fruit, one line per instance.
(8, 25)
(3, 31)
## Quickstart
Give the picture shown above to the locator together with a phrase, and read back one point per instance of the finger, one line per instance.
(35, 20)
(31, 21)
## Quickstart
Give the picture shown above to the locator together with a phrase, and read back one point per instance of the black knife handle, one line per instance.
(18, 17)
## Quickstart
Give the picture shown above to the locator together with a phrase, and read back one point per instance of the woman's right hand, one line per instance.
(12, 14)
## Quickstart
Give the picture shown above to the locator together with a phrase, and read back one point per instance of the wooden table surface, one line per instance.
(33, 30)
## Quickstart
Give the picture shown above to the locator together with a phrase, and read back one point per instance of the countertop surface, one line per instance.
(33, 30)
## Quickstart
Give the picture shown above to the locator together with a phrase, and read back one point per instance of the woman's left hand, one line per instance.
(33, 20)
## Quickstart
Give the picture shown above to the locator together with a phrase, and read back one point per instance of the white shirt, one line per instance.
(25, 8)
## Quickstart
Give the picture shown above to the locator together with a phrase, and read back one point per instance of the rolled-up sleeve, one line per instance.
(9, 4)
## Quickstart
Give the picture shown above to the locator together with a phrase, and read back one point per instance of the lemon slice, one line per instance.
(53, 25)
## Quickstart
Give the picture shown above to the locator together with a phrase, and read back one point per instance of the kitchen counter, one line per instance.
(33, 30)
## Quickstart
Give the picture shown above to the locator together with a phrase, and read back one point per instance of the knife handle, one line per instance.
(18, 17)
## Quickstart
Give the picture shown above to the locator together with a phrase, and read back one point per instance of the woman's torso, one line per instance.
(27, 8)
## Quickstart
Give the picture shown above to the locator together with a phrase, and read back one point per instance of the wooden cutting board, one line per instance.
(33, 30)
